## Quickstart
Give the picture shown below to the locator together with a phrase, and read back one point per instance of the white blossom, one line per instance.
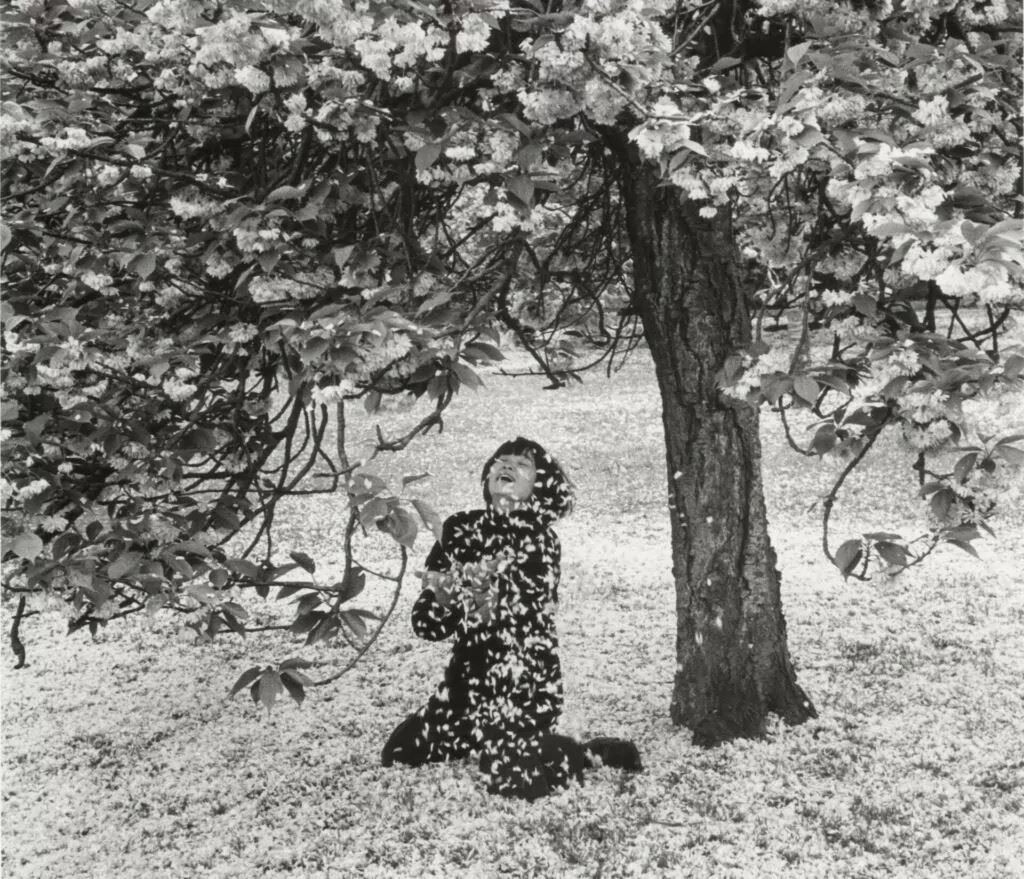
(473, 35)
(926, 264)
(33, 488)
(189, 206)
(96, 280)
(242, 332)
(252, 78)
(831, 297)
(460, 153)
(178, 389)
(748, 152)
(934, 111)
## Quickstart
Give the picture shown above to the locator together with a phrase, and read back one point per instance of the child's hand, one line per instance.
(479, 602)
(480, 592)
(440, 584)
(481, 573)
(477, 574)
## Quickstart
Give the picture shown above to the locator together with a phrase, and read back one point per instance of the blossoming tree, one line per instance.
(225, 220)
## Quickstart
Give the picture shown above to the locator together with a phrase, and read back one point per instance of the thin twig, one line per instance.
(16, 644)
(793, 444)
(384, 621)
(830, 498)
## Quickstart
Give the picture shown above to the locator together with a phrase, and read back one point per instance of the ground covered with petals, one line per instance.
(124, 757)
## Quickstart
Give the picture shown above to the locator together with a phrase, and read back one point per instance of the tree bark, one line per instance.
(733, 664)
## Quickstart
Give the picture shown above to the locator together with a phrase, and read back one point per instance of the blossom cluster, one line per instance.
(776, 360)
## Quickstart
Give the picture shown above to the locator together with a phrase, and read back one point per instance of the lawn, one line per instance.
(123, 756)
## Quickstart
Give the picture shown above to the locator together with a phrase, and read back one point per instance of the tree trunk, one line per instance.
(733, 665)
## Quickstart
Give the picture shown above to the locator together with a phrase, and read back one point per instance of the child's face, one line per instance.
(510, 479)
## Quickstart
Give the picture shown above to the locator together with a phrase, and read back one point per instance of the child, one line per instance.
(492, 581)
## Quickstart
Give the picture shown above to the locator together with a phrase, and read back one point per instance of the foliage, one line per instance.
(123, 758)
(189, 302)
(225, 221)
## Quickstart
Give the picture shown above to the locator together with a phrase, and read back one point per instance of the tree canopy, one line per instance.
(224, 221)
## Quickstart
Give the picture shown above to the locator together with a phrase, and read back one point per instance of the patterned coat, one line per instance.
(504, 679)
(502, 690)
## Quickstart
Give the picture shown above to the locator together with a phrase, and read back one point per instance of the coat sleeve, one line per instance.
(430, 619)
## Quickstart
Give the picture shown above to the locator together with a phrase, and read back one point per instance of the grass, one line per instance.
(123, 757)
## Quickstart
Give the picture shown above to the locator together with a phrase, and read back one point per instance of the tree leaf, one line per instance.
(296, 675)
(1013, 366)
(355, 622)
(375, 509)
(342, 254)
(400, 524)
(308, 602)
(833, 381)
(809, 137)
(725, 63)
(292, 588)
(825, 439)
(352, 585)
(481, 352)
(963, 532)
(429, 517)
(467, 376)
(522, 188)
(125, 564)
(1010, 454)
(270, 687)
(304, 561)
(65, 544)
(774, 386)
(324, 630)
(791, 86)
(362, 486)
(806, 388)
(243, 568)
(306, 622)
(797, 52)
(848, 555)
(35, 427)
(865, 304)
(283, 193)
(529, 155)
(143, 265)
(245, 679)
(294, 688)
(429, 153)
(893, 553)
(27, 545)
(235, 610)
(964, 466)
(372, 402)
(941, 502)
(965, 546)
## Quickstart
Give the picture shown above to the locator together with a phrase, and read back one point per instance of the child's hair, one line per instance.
(553, 491)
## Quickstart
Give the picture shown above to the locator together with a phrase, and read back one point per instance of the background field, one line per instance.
(123, 757)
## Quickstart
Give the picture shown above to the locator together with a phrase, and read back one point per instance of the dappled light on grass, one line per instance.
(124, 757)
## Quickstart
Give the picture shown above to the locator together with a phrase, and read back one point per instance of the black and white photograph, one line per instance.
(552, 439)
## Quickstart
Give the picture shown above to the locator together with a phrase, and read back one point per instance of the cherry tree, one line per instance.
(226, 221)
